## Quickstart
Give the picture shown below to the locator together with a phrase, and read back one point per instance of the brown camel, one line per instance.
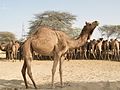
(83, 51)
(114, 48)
(91, 49)
(15, 48)
(12, 49)
(105, 49)
(98, 48)
(52, 42)
(8, 49)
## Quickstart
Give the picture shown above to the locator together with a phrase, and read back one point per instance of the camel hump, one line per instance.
(41, 41)
(43, 30)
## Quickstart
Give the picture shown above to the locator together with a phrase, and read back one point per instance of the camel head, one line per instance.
(89, 28)
(2, 46)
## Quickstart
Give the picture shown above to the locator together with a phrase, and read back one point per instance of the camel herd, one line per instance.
(11, 49)
(97, 49)
(92, 49)
(59, 45)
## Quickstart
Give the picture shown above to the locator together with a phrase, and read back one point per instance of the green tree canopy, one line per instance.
(75, 32)
(6, 37)
(54, 19)
(108, 31)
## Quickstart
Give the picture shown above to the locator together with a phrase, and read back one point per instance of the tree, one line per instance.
(75, 32)
(53, 19)
(6, 37)
(117, 27)
(110, 31)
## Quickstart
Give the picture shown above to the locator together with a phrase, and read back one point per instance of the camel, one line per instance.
(91, 49)
(15, 48)
(98, 48)
(20, 50)
(71, 54)
(83, 51)
(11, 50)
(114, 48)
(105, 49)
(8, 49)
(48, 41)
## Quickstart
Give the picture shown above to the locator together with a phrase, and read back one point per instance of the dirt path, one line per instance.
(77, 75)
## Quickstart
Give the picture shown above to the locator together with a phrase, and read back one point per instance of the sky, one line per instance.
(16, 13)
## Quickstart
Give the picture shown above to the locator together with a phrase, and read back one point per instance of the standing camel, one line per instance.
(105, 49)
(115, 49)
(8, 49)
(11, 50)
(83, 51)
(15, 48)
(91, 49)
(51, 42)
(98, 48)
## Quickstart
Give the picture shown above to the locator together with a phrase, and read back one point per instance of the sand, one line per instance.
(77, 75)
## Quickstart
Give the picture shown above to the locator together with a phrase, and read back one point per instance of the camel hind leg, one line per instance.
(27, 65)
(29, 72)
(24, 73)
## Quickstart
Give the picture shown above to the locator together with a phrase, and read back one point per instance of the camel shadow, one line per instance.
(83, 86)
(13, 84)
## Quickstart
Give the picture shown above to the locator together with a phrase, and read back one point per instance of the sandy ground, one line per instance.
(77, 75)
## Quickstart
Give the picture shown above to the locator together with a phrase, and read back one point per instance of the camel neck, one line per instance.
(76, 43)
(82, 39)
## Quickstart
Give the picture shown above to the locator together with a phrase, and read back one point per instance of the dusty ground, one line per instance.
(77, 75)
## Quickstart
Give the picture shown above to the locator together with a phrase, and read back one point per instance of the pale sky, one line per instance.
(14, 13)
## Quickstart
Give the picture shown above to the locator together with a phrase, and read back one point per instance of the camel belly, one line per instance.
(43, 46)
(45, 50)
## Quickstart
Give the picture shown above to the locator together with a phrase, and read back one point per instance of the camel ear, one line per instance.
(86, 23)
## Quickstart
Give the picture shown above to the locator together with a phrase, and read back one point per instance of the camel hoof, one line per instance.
(26, 87)
(35, 87)
(62, 86)
(53, 87)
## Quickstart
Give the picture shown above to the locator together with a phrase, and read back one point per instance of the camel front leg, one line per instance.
(60, 70)
(55, 62)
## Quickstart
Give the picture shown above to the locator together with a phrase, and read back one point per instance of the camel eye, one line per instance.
(89, 24)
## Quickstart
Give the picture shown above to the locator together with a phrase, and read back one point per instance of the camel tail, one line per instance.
(27, 50)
